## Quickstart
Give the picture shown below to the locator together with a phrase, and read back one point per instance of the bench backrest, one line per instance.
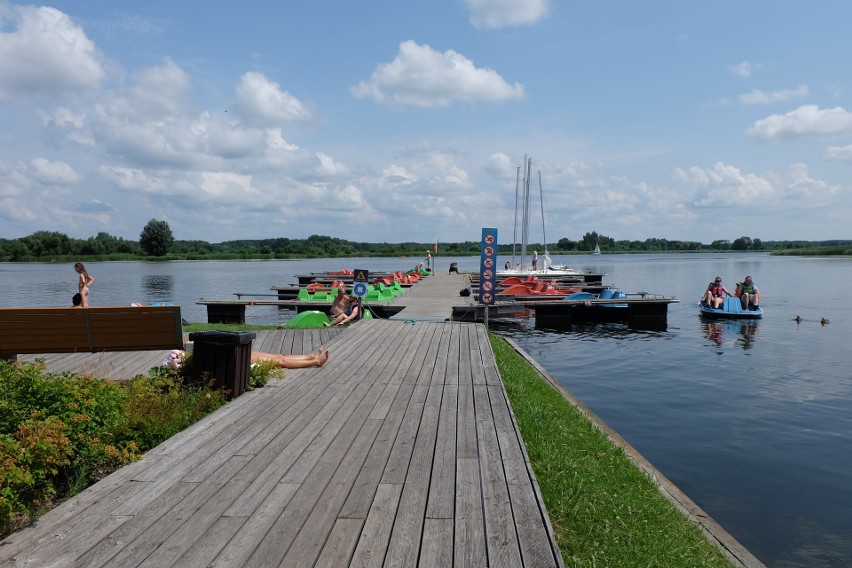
(73, 330)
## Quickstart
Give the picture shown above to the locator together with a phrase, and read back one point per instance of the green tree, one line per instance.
(591, 239)
(45, 244)
(742, 243)
(156, 238)
(565, 244)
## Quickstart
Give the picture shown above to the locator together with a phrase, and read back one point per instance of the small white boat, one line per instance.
(597, 250)
(549, 269)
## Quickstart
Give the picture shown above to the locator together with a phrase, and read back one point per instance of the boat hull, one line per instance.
(732, 308)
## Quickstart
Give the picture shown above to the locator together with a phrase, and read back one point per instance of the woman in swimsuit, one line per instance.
(353, 310)
(715, 294)
(83, 284)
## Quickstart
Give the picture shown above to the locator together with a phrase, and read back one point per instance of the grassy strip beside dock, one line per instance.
(604, 510)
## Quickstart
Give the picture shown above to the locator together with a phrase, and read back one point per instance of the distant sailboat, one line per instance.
(597, 249)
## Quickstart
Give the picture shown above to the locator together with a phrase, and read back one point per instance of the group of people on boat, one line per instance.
(746, 291)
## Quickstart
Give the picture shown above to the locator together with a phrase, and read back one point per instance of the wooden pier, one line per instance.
(401, 451)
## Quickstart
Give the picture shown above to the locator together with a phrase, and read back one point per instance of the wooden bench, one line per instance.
(95, 330)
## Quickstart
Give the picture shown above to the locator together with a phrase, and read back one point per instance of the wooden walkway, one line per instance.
(432, 298)
(121, 365)
(401, 451)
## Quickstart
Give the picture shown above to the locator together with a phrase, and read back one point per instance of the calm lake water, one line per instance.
(752, 420)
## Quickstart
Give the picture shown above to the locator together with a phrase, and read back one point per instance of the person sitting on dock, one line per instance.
(353, 310)
(749, 294)
(316, 358)
(715, 295)
(341, 300)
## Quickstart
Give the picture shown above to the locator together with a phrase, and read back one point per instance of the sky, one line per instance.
(389, 121)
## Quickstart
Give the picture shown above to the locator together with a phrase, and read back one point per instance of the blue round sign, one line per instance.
(359, 289)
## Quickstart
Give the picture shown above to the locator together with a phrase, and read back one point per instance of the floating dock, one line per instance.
(439, 298)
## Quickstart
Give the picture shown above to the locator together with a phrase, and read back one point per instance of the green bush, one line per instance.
(29, 462)
(61, 432)
(262, 372)
(163, 404)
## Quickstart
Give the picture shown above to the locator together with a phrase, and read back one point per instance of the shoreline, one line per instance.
(714, 533)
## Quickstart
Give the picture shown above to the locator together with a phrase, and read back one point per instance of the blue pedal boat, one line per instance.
(731, 308)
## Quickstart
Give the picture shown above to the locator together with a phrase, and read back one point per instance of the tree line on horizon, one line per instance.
(156, 241)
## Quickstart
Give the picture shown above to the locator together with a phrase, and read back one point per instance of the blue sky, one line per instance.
(405, 121)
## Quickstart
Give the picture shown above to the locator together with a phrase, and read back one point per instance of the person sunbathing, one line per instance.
(353, 310)
(317, 358)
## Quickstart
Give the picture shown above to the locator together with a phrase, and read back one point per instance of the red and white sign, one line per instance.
(487, 260)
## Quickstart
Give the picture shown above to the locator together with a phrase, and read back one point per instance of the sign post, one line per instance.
(359, 287)
(488, 269)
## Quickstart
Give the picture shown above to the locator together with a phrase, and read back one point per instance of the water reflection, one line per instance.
(608, 329)
(591, 331)
(158, 287)
(742, 332)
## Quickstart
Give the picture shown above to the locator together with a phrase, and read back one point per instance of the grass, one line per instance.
(604, 510)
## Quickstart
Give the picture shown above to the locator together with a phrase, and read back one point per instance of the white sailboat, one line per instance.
(523, 265)
(597, 249)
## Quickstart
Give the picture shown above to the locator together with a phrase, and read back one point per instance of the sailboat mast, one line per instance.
(515, 232)
(525, 232)
(541, 200)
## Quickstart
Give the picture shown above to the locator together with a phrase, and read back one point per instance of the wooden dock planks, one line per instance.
(400, 451)
(431, 298)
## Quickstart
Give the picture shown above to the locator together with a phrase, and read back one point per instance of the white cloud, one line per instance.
(797, 181)
(262, 102)
(725, 185)
(500, 166)
(155, 122)
(53, 173)
(839, 153)
(805, 120)
(502, 13)
(742, 69)
(762, 97)
(132, 179)
(424, 183)
(13, 180)
(158, 90)
(45, 55)
(228, 187)
(329, 166)
(62, 117)
(422, 77)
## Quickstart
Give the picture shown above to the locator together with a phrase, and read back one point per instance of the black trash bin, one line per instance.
(224, 357)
